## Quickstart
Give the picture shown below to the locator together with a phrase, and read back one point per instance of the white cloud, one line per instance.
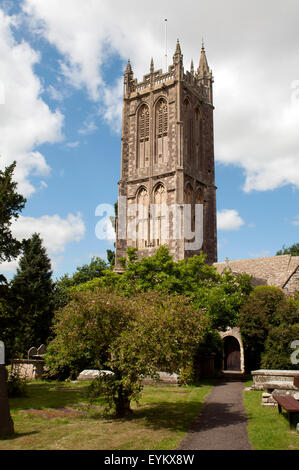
(55, 232)
(55, 94)
(43, 185)
(256, 75)
(88, 34)
(296, 221)
(73, 145)
(9, 267)
(89, 127)
(260, 254)
(25, 119)
(229, 219)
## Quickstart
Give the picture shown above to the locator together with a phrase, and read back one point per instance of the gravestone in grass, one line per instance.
(6, 422)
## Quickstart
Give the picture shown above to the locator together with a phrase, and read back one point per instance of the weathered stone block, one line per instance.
(91, 374)
(28, 369)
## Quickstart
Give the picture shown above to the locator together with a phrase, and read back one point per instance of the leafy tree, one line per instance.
(257, 317)
(32, 292)
(111, 257)
(83, 274)
(11, 203)
(222, 296)
(133, 337)
(291, 250)
(277, 353)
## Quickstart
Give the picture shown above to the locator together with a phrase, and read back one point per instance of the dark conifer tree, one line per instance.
(32, 290)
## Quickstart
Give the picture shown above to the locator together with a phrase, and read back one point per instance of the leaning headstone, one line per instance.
(32, 352)
(6, 422)
(41, 350)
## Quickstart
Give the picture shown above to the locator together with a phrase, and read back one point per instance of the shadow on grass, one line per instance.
(17, 435)
(172, 416)
(179, 415)
(294, 419)
(175, 415)
(49, 395)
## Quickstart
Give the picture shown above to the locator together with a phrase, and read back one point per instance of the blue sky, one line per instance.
(61, 66)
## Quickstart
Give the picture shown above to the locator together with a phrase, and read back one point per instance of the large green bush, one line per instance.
(267, 323)
(221, 295)
(133, 337)
(277, 354)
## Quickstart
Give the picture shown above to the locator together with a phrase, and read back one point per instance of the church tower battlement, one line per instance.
(167, 160)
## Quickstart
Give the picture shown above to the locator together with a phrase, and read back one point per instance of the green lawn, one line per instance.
(55, 416)
(267, 429)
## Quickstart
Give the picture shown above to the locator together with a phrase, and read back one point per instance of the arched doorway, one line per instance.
(232, 353)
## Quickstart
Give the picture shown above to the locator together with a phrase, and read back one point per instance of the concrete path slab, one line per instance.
(222, 423)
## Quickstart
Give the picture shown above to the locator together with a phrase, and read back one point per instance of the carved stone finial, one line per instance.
(178, 48)
(128, 68)
(152, 68)
(203, 67)
(178, 57)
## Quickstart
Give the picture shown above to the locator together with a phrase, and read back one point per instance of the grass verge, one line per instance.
(55, 416)
(267, 429)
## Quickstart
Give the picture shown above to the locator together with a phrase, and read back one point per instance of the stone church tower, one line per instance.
(167, 162)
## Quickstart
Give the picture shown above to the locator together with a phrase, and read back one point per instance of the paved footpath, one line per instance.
(222, 422)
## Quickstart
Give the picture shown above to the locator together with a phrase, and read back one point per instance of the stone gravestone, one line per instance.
(6, 422)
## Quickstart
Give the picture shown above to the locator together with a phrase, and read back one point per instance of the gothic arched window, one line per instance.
(187, 130)
(198, 138)
(189, 208)
(159, 219)
(142, 217)
(143, 137)
(161, 147)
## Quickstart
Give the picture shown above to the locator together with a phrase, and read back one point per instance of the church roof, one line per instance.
(273, 270)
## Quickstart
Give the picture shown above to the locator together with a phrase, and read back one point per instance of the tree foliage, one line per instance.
(277, 352)
(111, 258)
(264, 319)
(221, 295)
(291, 250)
(83, 274)
(11, 203)
(31, 291)
(133, 337)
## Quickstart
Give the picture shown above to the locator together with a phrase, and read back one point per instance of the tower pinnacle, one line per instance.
(203, 67)
(152, 68)
(178, 47)
(128, 68)
(178, 57)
